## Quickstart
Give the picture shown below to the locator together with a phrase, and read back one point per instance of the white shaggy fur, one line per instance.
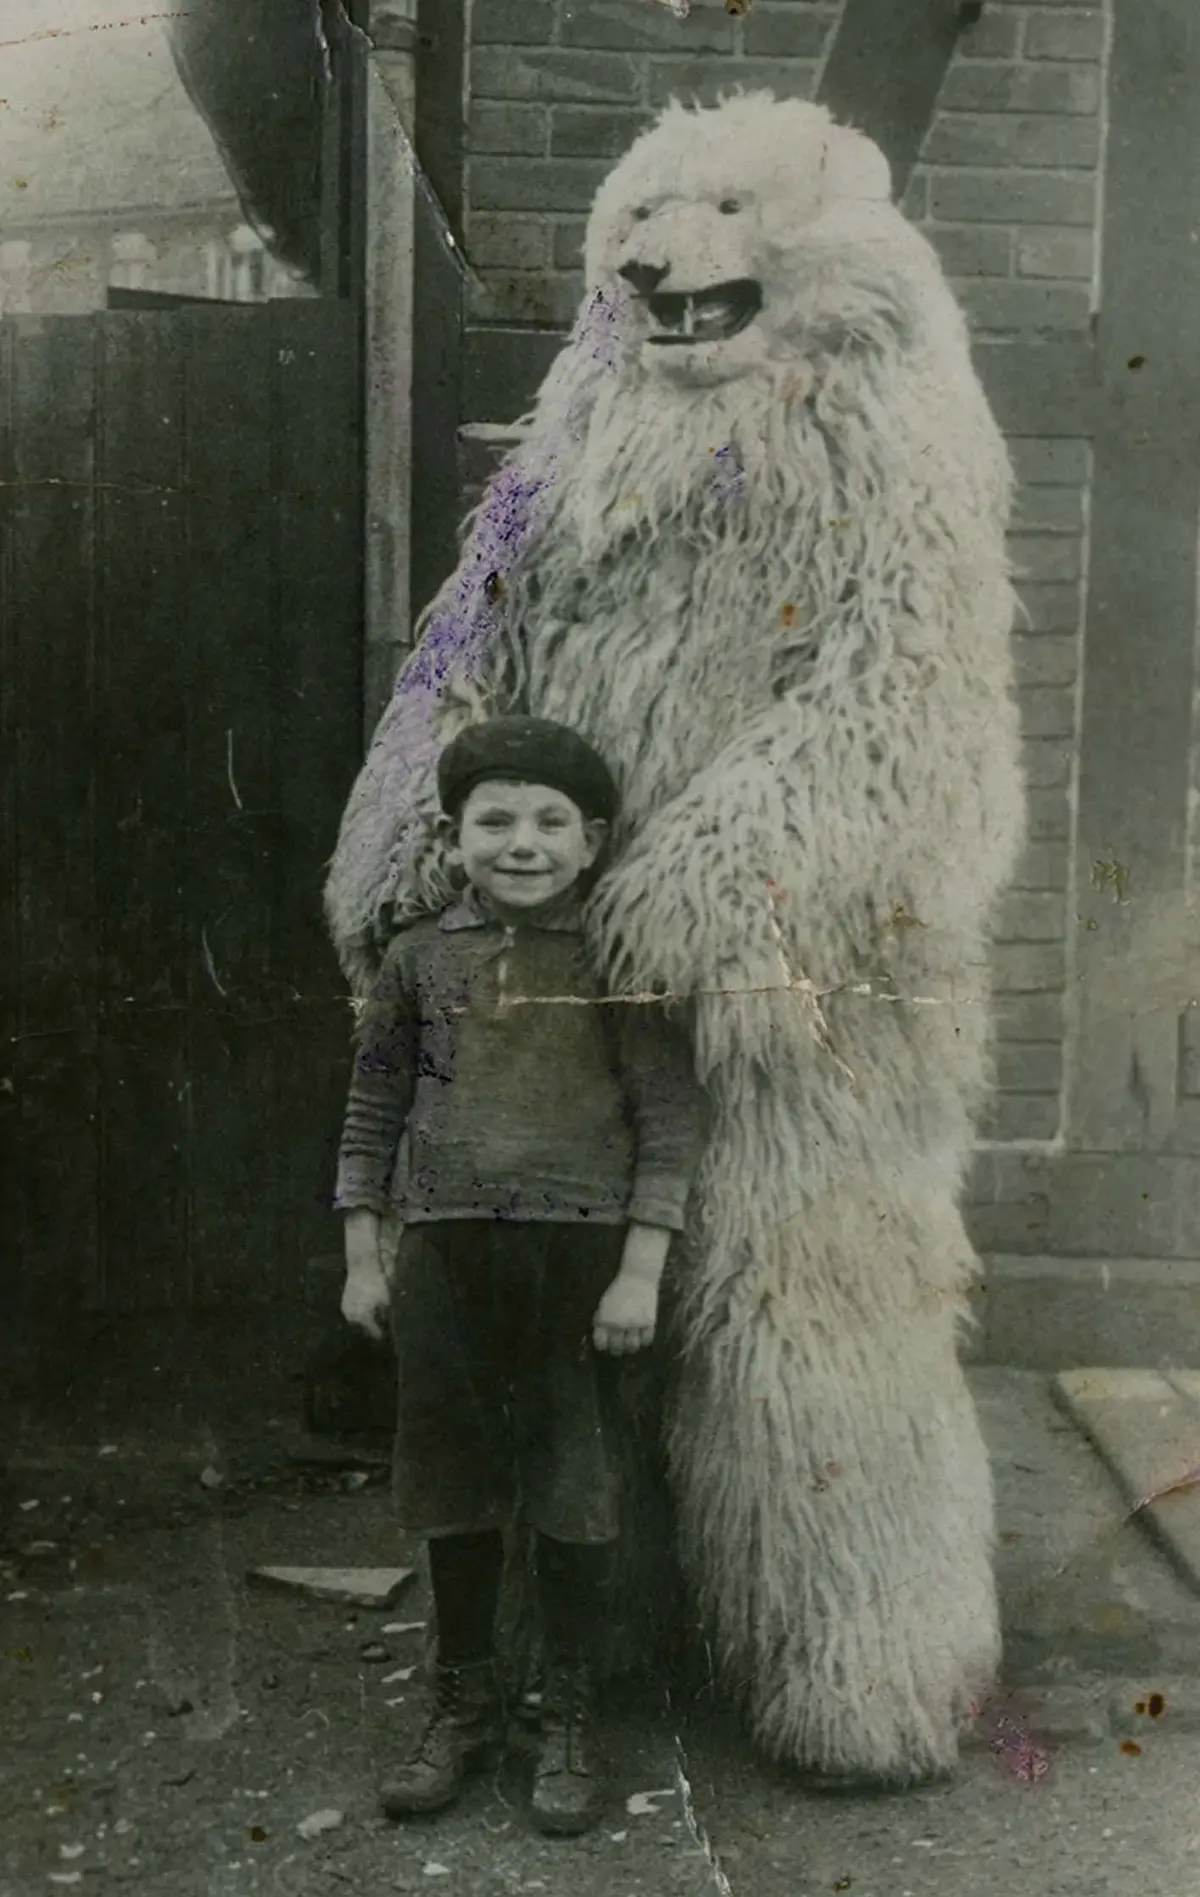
(767, 577)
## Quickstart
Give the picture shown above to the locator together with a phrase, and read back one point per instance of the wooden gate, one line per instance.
(180, 608)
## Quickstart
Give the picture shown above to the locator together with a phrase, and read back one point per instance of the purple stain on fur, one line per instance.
(504, 525)
(730, 478)
(459, 632)
(604, 313)
(462, 629)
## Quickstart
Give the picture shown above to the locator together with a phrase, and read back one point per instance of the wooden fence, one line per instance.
(180, 611)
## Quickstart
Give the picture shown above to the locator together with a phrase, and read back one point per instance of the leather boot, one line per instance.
(567, 1789)
(463, 1733)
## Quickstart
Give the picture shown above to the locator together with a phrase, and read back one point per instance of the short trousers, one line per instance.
(503, 1406)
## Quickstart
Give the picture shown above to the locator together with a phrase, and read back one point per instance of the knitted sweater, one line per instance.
(493, 1081)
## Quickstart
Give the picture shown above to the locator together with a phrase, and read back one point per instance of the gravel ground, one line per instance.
(166, 1728)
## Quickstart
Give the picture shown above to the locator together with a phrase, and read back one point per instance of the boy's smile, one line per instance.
(523, 845)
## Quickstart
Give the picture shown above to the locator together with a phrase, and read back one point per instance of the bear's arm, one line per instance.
(387, 867)
(778, 858)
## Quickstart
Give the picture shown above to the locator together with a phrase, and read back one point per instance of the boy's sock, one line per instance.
(465, 1571)
(573, 1581)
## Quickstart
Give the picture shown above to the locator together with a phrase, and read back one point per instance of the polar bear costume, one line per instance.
(752, 545)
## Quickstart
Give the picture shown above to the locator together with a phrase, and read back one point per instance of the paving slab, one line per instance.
(1145, 1425)
(1187, 1382)
(1083, 1589)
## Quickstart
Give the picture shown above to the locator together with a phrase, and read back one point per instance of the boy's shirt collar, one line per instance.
(563, 916)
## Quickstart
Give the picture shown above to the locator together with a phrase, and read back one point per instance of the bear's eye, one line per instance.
(729, 207)
(643, 211)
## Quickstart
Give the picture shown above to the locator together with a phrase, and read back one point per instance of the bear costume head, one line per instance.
(782, 232)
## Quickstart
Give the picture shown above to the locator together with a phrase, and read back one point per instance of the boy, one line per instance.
(548, 1153)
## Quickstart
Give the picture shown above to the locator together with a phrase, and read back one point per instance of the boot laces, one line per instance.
(449, 1694)
(572, 1697)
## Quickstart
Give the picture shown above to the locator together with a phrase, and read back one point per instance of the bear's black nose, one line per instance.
(644, 277)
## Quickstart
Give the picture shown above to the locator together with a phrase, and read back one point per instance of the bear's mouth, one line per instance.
(703, 316)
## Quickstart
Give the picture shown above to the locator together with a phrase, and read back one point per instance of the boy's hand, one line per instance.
(365, 1295)
(626, 1315)
(365, 1299)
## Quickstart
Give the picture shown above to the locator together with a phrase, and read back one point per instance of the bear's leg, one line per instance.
(836, 1524)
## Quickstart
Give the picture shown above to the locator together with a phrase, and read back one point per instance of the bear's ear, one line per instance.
(855, 167)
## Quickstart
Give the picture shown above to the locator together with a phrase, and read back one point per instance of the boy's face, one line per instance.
(523, 844)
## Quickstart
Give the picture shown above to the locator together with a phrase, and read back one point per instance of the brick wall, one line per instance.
(1049, 545)
(559, 88)
(1006, 189)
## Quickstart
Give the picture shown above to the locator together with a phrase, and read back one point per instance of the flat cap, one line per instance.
(526, 751)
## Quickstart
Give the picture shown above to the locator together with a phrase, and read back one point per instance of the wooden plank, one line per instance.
(9, 937)
(332, 247)
(232, 632)
(441, 131)
(884, 71)
(503, 369)
(48, 392)
(389, 341)
(437, 362)
(1134, 969)
(144, 685)
(52, 526)
(318, 558)
(11, 1208)
(144, 675)
(312, 1072)
(318, 528)
(231, 1205)
(52, 1166)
